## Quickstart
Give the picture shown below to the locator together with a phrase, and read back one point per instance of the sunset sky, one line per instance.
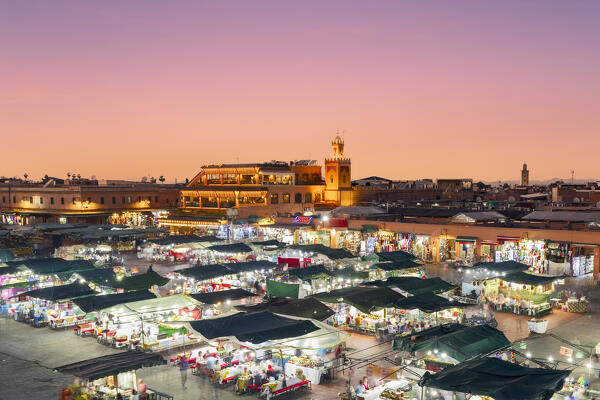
(423, 89)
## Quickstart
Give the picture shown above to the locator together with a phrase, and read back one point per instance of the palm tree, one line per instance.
(162, 179)
(25, 175)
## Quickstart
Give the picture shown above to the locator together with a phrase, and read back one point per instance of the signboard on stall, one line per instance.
(565, 351)
(302, 220)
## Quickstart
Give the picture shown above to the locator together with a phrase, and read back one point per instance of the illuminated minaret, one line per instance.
(338, 181)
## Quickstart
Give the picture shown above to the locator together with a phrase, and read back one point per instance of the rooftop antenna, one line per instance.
(572, 177)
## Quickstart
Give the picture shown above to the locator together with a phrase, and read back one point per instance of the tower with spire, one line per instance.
(338, 180)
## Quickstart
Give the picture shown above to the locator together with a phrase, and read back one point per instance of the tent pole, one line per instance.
(283, 367)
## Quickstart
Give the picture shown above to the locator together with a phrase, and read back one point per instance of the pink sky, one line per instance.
(423, 89)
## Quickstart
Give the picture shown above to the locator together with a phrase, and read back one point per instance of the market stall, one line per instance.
(407, 267)
(154, 324)
(295, 343)
(362, 309)
(443, 308)
(415, 286)
(521, 293)
(452, 343)
(47, 305)
(110, 375)
(303, 308)
(498, 379)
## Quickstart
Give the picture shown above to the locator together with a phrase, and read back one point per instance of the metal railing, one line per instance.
(156, 395)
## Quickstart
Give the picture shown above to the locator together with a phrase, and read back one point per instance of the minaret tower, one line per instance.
(338, 181)
(524, 176)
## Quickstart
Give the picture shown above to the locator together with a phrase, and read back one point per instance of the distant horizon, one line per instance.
(171, 180)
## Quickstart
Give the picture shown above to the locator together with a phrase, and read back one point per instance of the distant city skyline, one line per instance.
(422, 89)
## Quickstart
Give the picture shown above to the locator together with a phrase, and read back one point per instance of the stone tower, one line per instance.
(338, 180)
(525, 176)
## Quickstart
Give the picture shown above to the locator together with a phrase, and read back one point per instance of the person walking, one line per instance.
(183, 370)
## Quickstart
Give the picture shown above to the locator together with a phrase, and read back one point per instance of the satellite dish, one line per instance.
(576, 200)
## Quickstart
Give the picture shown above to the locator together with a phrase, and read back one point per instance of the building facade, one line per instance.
(268, 189)
(29, 203)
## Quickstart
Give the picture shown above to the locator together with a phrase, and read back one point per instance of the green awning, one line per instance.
(61, 292)
(255, 328)
(269, 243)
(6, 255)
(369, 228)
(205, 272)
(504, 267)
(415, 285)
(428, 303)
(97, 303)
(303, 308)
(249, 266)
(333, 254)
(396, 265)
(530, 279)
(231, 248)
(18, 285)
(466, 239)
(139, 282)
(366, 299)
(52, 266)
(501, 380)
(311, 272)
(351, 274)
(112, 364)
(99, 276)
(184, 239)
(280, 289)
(459, 342)
(222, 296)
(395, 256)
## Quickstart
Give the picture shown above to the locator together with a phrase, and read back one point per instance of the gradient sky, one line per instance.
(423, 89)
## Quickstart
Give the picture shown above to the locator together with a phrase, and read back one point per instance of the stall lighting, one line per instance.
(570, 360)
(550, 359)
(528, 355)
(588, 365)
